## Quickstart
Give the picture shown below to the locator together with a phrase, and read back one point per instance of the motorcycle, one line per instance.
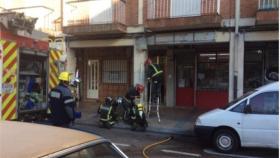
(107, 111)
(133, 113)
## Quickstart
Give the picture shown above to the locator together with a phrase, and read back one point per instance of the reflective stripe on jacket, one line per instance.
(157, 71)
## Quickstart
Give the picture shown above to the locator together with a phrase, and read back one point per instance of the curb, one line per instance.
(149, 129)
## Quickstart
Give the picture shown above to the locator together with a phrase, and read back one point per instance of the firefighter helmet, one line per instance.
(64, 76)
(139, 88)
(148, 61)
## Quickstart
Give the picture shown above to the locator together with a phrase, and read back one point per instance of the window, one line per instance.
(253, 69)
(240, 107)
(265, 103)
(185, 70)
(268, 4)
(212, 71)
(115, 71)
(103, 150)
(183, 8)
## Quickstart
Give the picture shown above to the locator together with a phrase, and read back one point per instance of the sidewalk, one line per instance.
(174, 120)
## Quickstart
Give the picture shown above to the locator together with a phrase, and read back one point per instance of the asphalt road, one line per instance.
(133, 143)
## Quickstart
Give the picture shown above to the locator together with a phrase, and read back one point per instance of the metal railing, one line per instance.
(268, 4)
(157, 9)
(94, 12)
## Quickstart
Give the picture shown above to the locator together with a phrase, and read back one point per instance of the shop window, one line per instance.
(253, 69)
(115, 71)
(185, 76)
(271, 65)
(185, 70)
(261, 64)
(212, 71)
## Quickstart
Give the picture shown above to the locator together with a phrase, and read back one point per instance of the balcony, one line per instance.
(182, 14)
(91, 17)
(268, 12)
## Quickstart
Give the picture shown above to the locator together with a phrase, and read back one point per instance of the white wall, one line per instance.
(236, 65)
(170, 82)
(139, 57)
(71, 61)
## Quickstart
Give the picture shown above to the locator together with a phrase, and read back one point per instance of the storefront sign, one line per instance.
(183, 38)
(204, 37)
(8, 88)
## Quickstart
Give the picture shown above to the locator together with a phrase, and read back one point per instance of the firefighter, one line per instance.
(134, 92)
(134, 114)
(62, 103)
(154, 76)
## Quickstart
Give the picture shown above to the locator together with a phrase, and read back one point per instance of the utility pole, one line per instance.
(236, 41)
(236, 62)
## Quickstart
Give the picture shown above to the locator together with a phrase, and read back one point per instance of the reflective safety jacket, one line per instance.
(154, 72)
(62, 105)
(107, 111)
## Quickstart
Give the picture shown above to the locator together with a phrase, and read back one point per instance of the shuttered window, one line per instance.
(185, 8)
(115, 71)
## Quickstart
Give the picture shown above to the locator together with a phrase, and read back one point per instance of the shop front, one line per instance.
(261, 64)
(200, 74)
(212, 79)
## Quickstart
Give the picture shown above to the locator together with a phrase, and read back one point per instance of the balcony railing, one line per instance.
(92, 12)
(181, 8)
(268, 4)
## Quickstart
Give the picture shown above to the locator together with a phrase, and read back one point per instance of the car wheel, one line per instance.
(225, 141)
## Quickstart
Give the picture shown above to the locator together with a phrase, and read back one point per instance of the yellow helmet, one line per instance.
(64, 76)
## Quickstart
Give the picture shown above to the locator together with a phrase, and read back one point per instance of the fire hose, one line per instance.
(144, 152)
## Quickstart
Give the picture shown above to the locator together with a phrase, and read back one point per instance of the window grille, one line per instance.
(115, 71)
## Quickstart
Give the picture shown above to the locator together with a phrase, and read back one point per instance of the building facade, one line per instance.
(211, 51)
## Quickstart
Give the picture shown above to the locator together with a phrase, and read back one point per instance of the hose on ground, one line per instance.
(154, 144)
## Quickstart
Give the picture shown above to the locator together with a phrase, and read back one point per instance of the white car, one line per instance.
(26, 140)
(249, 121)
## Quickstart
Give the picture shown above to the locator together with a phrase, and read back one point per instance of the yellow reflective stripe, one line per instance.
(108, 115)
(156, 70)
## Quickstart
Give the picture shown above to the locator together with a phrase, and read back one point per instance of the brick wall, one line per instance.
(248, 9)
(105, 89)
(268, 17)
(227, 8)
(132, 12)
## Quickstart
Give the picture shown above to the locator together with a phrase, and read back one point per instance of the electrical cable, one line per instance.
(154, 144)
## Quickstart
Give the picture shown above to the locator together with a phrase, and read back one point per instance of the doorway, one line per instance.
(185, 72)
(93, 79)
